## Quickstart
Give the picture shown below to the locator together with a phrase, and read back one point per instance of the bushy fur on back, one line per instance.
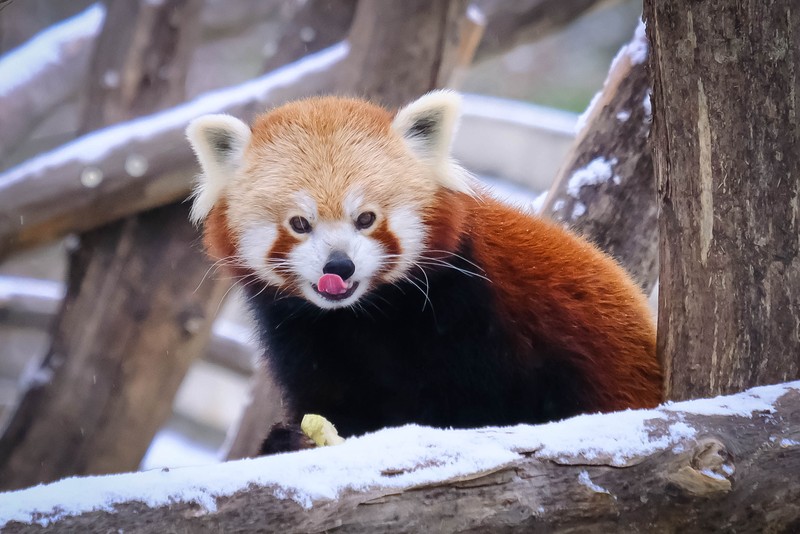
(460, 310)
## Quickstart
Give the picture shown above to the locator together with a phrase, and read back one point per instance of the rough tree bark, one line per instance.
(605, 189)
(134, 317)
(703, 473)
(726, 138)
(399, 50)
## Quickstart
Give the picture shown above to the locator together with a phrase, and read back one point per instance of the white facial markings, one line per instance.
(353, 202)
(256, 242)
(407, 226)
(308, 259)
(307, 207)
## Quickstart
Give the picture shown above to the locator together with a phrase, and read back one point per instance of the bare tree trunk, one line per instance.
(605, 189)
(399, 50)
(701, 472)
(134, 317)
(140, 68)
(318, 25)
(513, 23)
(124, 341)
(726, 138)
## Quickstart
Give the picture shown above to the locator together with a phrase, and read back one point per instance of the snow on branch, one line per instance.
(130, 166)
(44, 72)
(623, 466)
(605, 188)
(48, 47)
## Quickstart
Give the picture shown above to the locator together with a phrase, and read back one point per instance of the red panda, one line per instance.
(389, 288)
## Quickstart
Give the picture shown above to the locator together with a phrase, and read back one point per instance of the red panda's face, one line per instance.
(326, 198)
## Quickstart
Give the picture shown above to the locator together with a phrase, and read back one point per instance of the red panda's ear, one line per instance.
(428, 126)
(219, 142)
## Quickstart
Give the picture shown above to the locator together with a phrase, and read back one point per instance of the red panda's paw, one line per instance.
(285, 437)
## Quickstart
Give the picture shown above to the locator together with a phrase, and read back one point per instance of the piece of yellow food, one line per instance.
(320, 430)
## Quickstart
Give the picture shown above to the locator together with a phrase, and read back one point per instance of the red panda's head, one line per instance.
(326, 198)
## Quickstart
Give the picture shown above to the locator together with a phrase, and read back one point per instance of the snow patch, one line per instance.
(171, 449)
(711, 474)
(648, 107)
(597, 171)
(584, 479)
(638, 48)
(21, 64)
(761, 399)
(538, 202)
(636, 51)
(583, 118)
(476, 15)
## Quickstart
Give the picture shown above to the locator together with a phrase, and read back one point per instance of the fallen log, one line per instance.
(721, 464)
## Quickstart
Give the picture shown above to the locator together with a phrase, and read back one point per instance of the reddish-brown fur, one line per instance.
(550, 283)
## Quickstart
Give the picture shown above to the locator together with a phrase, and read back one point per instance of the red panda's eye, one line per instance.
(300, 225)
(365, 220)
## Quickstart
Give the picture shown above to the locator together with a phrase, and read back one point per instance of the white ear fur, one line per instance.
(428, 126)
(219, 142)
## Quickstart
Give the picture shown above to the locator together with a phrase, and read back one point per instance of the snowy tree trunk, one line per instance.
(134, 316)
(720, 465)
(726, 138)
(606, 187)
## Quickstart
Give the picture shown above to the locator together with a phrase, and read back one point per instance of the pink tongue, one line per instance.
(332, 284)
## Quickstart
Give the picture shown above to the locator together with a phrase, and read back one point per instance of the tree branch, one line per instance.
(56, 62)
(511, 24)
(30, 303)
(605, 189)
(99, 177)
(698, 466)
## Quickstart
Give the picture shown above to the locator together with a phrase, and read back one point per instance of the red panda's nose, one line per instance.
(339, 263)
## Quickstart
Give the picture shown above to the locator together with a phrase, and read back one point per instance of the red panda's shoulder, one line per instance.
(553, 285)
